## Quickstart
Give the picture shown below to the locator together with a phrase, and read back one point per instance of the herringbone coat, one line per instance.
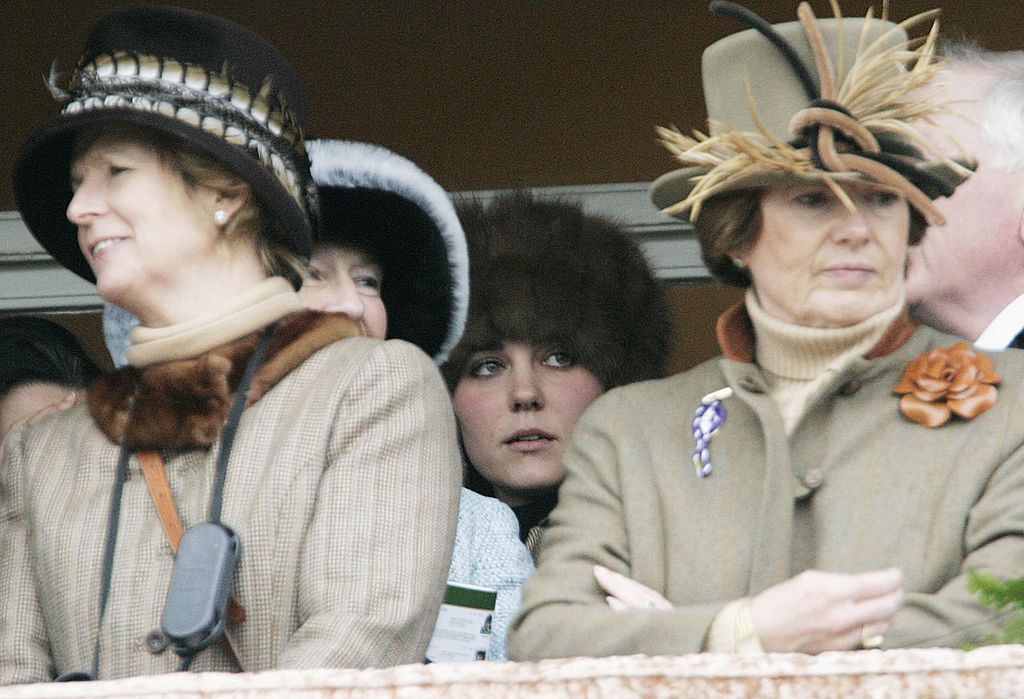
(343, 485)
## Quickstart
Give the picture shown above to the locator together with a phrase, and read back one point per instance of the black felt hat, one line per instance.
(378, 201)
(204, 79)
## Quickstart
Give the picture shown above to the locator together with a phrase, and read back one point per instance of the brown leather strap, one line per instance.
(160, 490)
(155, 473)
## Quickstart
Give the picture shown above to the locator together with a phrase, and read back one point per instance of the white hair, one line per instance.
(1002, 108)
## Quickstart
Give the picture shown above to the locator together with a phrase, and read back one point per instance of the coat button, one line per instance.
(156, 642)
(849, 388)
(814, 478)
(749, 383)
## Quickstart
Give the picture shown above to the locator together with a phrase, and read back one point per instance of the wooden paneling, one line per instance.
(481, 93)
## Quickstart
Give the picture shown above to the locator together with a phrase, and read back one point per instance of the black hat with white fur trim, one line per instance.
(377, 201)
(209, 81)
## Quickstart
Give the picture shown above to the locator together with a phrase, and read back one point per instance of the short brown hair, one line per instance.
(730, 223)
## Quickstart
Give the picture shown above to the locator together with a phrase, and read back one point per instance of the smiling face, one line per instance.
(345, 280)
(143, 231)
(517, 407)
(818, 264)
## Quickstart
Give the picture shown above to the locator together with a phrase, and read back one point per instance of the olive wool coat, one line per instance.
(343, 486)
(854, 487)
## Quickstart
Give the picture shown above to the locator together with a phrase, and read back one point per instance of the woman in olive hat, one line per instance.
(829, 481)
(293, 453)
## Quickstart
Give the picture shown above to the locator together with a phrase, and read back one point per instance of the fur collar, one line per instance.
(183, 404)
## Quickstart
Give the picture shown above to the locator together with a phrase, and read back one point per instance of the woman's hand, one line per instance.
(817, 611)
(625, 593)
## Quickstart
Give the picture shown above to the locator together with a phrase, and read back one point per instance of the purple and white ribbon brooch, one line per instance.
(707, 420)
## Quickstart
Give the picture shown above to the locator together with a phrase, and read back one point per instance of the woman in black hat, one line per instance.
(314, 472)
(391, 255)
(830, 481)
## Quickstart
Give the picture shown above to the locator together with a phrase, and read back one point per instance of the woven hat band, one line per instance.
(198, 98)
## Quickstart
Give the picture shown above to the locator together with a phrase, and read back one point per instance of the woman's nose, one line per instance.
(853, 228)
(345, 299)
(85, 203)
(525, 392)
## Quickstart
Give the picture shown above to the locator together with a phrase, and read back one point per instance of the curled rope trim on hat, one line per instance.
(879, 98)
(826, 121)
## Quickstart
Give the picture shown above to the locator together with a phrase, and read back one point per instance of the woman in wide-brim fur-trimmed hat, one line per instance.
(377, 202)
(562, 308)
(829, 481)
(175, 176)
(390, 254)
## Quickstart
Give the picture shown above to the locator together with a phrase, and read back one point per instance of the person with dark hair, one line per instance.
(390, 254)
(832, 479)
(43, 367)
(562, 307)
(262, 486)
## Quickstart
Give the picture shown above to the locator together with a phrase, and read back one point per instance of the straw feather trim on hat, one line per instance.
(206, 80)
(854, 124)
(376, 200)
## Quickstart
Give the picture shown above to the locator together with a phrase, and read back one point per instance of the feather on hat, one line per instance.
(772, 121)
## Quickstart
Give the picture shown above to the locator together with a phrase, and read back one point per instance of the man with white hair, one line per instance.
(967, 276)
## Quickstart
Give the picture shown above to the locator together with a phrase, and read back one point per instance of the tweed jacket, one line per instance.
(342, 485)
(854, 487)
(488, 553)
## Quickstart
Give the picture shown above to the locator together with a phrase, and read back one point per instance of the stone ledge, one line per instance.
(991, 672)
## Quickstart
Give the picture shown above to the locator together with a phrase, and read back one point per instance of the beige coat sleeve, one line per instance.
(376, 557)
(24, 649)
(564, 613)
(993, 543)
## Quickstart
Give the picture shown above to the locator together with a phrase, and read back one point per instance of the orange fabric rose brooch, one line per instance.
(944, 382)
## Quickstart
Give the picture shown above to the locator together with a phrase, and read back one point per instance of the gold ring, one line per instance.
(869, 641)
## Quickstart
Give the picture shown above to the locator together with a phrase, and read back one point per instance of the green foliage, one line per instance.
(1000, 594)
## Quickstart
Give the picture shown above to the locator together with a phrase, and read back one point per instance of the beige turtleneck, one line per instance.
(798, 360)
(268, 301)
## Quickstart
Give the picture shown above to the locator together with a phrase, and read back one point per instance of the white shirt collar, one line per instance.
(1003, 328)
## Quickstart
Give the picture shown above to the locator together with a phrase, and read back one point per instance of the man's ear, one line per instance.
(1020, 221)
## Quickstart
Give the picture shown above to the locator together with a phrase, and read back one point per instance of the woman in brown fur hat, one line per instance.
(562, 308)
(832, 479)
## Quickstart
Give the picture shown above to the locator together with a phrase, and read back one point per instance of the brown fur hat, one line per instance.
(546, 273)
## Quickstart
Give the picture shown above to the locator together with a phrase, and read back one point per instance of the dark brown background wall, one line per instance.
(481, 93)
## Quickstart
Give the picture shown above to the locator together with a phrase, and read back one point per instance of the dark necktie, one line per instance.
(1018, 341)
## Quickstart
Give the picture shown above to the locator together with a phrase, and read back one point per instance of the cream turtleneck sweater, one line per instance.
(268, 301)
(798, 360)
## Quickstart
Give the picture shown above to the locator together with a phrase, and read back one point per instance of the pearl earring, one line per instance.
(738, 263)
(220, 216)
